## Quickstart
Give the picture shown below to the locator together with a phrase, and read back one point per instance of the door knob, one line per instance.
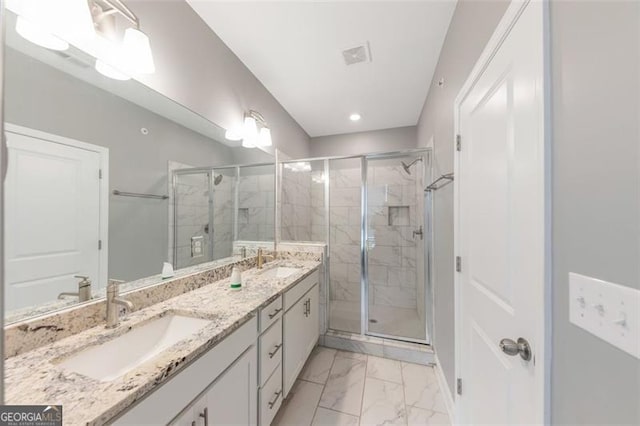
(521, 347)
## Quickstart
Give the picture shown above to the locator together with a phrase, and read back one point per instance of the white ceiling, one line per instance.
(295, 49)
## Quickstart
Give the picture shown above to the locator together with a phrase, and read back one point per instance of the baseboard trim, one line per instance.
(446, 392)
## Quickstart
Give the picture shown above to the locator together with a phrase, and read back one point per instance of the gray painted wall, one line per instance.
(40, 97)
(472, 24)
(395, 139)
(596, 188)
(195, 68)
(596, 198)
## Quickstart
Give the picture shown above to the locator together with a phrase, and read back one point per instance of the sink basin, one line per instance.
(118, 356)
(279, 272)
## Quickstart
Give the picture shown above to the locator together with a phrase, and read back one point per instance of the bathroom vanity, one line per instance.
(239, 354)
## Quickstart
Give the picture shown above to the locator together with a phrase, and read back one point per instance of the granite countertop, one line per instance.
(36, 378)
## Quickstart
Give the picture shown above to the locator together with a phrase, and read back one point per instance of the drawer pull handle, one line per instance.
(275, 399)
(274, 313)
(205, 416)
(275, 350)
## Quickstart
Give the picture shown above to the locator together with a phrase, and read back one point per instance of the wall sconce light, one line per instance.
(52, 24)
(120, 59)
(251, 137)
(56, 23)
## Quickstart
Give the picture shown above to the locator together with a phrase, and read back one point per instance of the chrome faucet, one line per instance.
(261, 257)
(84, 289)
(113, 301)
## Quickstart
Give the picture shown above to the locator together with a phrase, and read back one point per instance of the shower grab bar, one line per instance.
(434, 185)
(138, 195)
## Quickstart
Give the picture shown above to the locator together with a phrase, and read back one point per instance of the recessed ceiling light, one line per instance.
(354, 117)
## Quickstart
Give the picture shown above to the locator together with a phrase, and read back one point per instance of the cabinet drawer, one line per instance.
(299, 290)
(270, 314)
(271, 397)
(270, 351)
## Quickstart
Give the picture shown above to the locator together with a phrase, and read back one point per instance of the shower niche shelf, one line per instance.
(398, 216)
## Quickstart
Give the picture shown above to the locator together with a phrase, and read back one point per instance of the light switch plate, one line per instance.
(609, 311)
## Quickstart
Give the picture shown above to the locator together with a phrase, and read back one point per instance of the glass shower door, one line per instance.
(345, 249)
(395, 247)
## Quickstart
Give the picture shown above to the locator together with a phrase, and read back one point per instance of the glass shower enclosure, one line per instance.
(372, 213)
(210, 208)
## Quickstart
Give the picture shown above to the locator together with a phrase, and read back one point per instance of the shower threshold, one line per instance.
(418, 353)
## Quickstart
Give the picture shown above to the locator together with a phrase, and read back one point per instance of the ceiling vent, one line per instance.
(357, 54)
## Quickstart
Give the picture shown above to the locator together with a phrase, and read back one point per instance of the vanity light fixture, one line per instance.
(355, 117)
(89, 24)
(116, 59)
(52, 24)
(251, 137)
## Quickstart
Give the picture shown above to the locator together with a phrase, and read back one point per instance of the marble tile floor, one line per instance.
(389, 320)
(347, 388)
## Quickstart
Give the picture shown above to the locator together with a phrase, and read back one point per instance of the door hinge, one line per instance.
(458, 143)
(458, 264)
(99, 173)
(99, 244)
(459, 386)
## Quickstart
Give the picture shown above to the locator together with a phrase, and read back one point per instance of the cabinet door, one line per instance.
(301, 332)
(233, 398)
(187, 418)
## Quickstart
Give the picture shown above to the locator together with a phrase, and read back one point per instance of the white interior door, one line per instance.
(501, 229)
(52, 219)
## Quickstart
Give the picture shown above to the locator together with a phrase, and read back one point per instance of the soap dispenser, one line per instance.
(236, 279)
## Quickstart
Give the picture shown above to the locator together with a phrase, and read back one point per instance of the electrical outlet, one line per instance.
(197, 246)
(609, 311)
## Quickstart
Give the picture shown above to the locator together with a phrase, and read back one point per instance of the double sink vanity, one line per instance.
(210, 355)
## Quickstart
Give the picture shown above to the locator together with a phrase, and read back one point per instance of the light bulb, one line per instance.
(110, 62)
(38, 35)
(109, 71)
(265, 137)
(249, 132)
(137, 51)
(53, 24)
(232, 135)
(355, 117)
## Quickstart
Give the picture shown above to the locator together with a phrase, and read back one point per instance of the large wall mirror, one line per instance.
(109, 180)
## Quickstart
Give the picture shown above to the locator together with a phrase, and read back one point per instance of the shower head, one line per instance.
(217, 180)
(407, 167)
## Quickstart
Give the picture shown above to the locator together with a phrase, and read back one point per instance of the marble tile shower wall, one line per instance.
(256, 206)
(394, 213)
(344, 230)
(223, 202)
(192, 193)
(296, 206)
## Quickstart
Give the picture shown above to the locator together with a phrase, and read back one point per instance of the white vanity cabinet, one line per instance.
(244, 378)
(223, 381)
(270, 347)
(230, 400)
(300, 327)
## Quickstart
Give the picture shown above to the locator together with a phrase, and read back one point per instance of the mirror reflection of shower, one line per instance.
(407, 167)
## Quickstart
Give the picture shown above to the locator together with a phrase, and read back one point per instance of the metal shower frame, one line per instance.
(364, 273)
